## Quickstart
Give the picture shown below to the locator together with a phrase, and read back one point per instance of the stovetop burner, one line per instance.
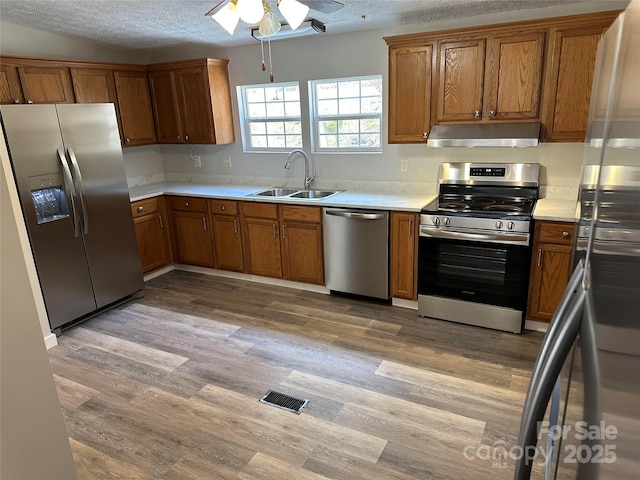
(482, 206)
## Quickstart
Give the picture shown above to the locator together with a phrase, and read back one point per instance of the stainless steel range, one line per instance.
(475, 245)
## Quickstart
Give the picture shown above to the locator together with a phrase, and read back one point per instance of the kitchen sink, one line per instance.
(276, 192)
(295, 193)
(313, 193)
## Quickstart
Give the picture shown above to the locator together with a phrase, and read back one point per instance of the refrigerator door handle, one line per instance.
(80, 188)
(539, 394)
(69, 187)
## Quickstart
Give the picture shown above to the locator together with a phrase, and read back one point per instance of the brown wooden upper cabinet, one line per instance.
(572, 60)
(134, 105)
(46, 84)
(488, 79)
(10, 88)
(410, 73)
(192, 102)
(93, 85)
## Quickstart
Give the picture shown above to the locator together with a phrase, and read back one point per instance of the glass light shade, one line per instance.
(293, 11)
(227, 17)
(250, 11)
(269, 25)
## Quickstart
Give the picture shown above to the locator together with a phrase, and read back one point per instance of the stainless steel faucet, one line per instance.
(307, 178)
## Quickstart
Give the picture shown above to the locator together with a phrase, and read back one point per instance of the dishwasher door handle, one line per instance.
(360, 215)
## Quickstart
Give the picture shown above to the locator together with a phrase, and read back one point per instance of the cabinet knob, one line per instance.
(492, 113)
(565, 234)
(30, 102)
(186, 204)
(127, 139)
(186, 137)
(477, 113)
(178, 138)
(223, 208)
(140, 209)
(425, 135)
(16, 100)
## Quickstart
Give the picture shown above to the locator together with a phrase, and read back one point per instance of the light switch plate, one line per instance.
(404, 165)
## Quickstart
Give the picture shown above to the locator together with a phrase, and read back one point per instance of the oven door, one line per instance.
(474, 271)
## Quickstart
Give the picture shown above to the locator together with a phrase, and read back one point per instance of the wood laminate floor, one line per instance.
(167, 387)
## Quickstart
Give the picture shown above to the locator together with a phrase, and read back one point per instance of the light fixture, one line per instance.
(307, 27)
(227, 17)
(250, 11)
(293, 11)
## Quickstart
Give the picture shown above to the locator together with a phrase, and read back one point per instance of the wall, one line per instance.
(33, 439)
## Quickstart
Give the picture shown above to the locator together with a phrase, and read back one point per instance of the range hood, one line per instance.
(485, 135)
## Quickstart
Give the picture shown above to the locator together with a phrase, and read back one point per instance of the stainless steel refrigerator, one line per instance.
(68, 166)
(581, 417)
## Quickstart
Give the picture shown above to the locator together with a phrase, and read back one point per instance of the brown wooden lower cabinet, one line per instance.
(227, 236)
(191, 230)
(550, 268)
(151, 231)
(302, 246)
(404, 255)
(261, 231)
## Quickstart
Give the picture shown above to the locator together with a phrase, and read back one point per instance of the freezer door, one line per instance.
(92, 141)
(33, 137)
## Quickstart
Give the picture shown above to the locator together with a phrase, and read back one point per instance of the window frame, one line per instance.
(315, 118)
(245, 121)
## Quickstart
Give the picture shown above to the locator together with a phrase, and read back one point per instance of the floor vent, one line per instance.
(284, 401)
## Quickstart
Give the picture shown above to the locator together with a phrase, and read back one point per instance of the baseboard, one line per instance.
(535, 326)
(158, 271)
(401, 302)
(50, 341)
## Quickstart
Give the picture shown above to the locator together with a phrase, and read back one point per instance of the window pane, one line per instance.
(328, 107)
(370, 125)
(257, 110)
(293, 127)
(349, 126)
(276, 141)
(328, 141)
(275, 110)
(294, 141)
(255, 94)
(326, 90)
(371, 105)
(274, 94)
(257, 128)
(371, 87)
(275, 128)
(349, 106)
(292, 109)
(258, 141)
(349, 89)
(330, 126)
(347, 141)
(368, 140)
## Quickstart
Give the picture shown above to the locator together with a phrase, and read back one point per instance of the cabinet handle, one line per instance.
(186, 204)
(140, 209)
(284, 230)
(235, 226)
(477, 113)
(16, 100)
(425, 135)
(492, 113)
(160, 220)
(127, 139)
(410, 226)
(223, 208)
(186, 137)
(565, 234)
(275, 230)
(204, 223)
(539, 257)
(30, 102)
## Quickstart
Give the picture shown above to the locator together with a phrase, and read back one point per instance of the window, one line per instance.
(346, 114)
(270, 117)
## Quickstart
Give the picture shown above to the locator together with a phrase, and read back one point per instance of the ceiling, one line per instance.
(152, 25)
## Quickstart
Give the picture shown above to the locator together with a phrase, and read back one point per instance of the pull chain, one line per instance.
(264, 67)
(270, 62)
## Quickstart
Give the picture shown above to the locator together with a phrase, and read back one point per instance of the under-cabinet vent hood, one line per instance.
(485, 135)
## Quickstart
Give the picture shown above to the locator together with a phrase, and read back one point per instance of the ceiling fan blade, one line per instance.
(323, 6)
(214, 9)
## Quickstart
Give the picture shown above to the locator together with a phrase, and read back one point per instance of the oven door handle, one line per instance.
(437, 233)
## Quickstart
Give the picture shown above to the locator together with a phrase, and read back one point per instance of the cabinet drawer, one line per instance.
(302, 214)
(555, 232)
(189, 204)
(259, 210)
(223, 207)
(145, 207)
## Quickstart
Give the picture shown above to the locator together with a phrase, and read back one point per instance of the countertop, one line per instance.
(408, 202)
(556, 210)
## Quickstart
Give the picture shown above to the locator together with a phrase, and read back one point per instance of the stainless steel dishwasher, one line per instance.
(356, 251)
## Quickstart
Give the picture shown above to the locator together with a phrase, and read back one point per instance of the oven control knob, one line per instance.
(446, 221)
(510, 225)
(498, 224)
(436, 221)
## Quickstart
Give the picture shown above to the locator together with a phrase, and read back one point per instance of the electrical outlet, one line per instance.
(404, 165)
(197, 161)
(226, 161)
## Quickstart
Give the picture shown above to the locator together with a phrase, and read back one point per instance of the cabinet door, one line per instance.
(93, 85)
(134, 104)
(302, 255)
(262, 247)
(10, 89)
(409, 93)
(227, 242)
(461, 77)
(549, 279)
(164, 99)
(404, 252)
(570, 68)
(195, 105)
(46, 84)
(513, 77)
(193, 239)
(151, 242)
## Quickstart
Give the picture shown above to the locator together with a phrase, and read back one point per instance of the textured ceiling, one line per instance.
(155, 24)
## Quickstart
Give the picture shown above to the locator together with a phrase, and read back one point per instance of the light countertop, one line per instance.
(557, 210)
(409, 202)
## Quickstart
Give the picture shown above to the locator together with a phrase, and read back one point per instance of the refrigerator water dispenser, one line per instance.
(49, 200)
